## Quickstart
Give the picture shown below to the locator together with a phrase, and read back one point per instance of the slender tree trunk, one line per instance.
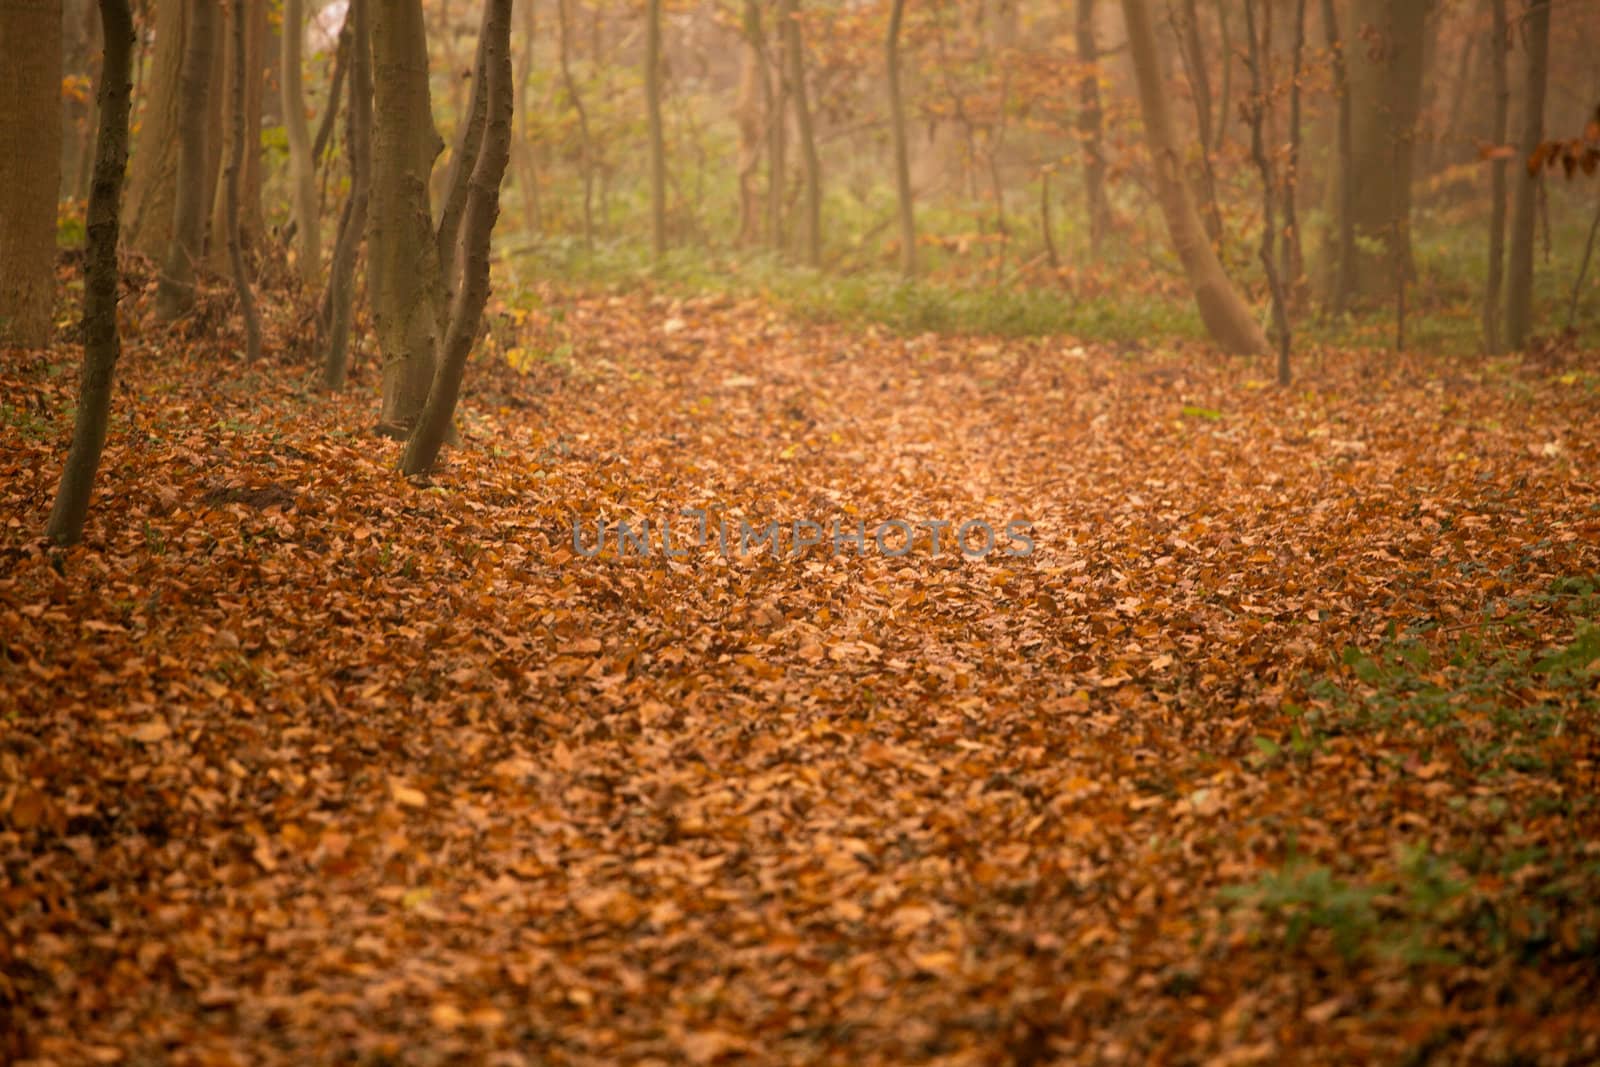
(1342, 251)
(1293, 258)
(1193, 56)
(777, 146)
(358, 134)
(750, 111)
(1090, 123)
(1258, 51)
(153, 166)
(469, 141)
(404, 280)
(302, 169)
(794, 48)
(524, 149)
(1500, 45)
(232, 180)
(1226, 315)
(175, 291)
(251, 224)
(902, 155)
(330, 114)
(483, 206)
(101, 343)
(1225, 94)
(1385, 89)
(658, 146)
(585, 141)
(1519, 274)
(30, 167)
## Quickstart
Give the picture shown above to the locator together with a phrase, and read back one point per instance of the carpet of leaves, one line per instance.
(303, 762)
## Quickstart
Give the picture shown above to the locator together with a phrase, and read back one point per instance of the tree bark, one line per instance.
(232, 181)
(403, 281)
(902, 155)
(750, 110)
(175, 290)
(658, 149)
(302, 169)
(1091, 122)
(30, 167)
(794, 49)
(358, 135)
(469, 140)
(251, 224)
(1293, 258)
(482, 208)
(1258, 50)
(1227, 317)
(1519, 272)
(1385, 88)
(585, 141)
(1341, 253)
(153, 165)
(1499, 46)
(101, 343)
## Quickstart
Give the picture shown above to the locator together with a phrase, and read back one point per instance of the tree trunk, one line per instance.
(302, 171)
(30, 167)
(358, 135)
(1090, 127)
(175, 291)
(658, 148)
(469, 140)
(101, 344)
(1519, 273)
(902, 155)
(1227, 317)
(750, 110)
(153, 166)
(1293, 258)
(403, 280)
(524, 149)
(483, 205)
(1500, 45)
(1385, 89)
(1193, 55)
(251, 224)
(1257, 51)
(585, 142)
(1341, 250)
(777, 146)
(794, 49)
(233, 179)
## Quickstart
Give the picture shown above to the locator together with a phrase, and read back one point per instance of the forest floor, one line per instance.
(1281, 746)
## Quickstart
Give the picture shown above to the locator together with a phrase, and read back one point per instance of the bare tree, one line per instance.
(175, 291)
(1258, 48)
(794, 51)
(658, 150)
(1519, 271)
(585, 141)
(482, 208)
(302, 168)
(234, 173)
(101, 343)
(1090, 128)
(1228, 318)
(358, 133)
(1500, 45)
(902, 158)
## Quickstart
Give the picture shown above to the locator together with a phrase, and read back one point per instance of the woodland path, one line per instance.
(298, 759)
